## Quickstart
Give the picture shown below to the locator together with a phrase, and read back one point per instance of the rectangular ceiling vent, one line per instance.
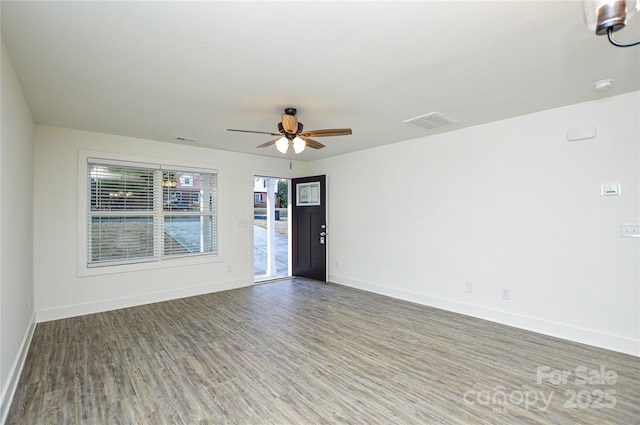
(431, 121)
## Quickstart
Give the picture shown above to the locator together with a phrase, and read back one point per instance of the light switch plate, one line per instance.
(630, 230)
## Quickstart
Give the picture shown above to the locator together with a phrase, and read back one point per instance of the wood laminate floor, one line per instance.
(303, 352)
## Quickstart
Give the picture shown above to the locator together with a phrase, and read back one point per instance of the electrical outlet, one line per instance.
(630, 230)
(506, 294)
(337, 264)
(229, 268)
(469, 287)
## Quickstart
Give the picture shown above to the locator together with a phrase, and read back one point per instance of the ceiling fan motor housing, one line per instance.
(611, 16)
(290, 124)
(287, 134)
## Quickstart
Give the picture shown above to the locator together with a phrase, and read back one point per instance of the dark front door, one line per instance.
(309, 241)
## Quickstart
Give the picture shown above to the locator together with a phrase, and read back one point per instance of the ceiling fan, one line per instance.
(290, 132)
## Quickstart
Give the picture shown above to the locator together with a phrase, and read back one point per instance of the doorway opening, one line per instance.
(271, 228)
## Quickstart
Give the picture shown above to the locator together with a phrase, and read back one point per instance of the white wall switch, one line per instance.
(630, 230)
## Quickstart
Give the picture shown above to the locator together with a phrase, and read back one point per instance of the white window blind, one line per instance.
(189, 202)
(146, 212)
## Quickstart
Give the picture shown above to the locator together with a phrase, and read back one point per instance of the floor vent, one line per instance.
(431, 121)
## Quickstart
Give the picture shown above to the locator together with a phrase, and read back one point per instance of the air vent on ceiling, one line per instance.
(431, 121)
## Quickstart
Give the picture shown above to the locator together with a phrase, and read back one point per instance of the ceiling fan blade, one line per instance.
(251, 131)
(269, 143)
(327, 132)
(290, 123)
(312, 143)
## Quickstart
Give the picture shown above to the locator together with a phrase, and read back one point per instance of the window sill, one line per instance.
(85, 271)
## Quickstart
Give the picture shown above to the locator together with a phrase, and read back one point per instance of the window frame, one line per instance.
(160, 261)
(176, 213)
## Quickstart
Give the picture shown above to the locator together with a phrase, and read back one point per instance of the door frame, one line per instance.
(312, 239)
(252, 232)
(249, 223)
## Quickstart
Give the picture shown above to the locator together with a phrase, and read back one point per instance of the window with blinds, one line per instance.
(149, 212)
(188, 212)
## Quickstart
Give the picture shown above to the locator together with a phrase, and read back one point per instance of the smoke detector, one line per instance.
(602, 85)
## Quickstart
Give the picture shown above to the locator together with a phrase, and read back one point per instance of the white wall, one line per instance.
(16, 219)
(510, 204)
(60, 292)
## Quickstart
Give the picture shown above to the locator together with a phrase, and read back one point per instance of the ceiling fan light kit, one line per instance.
(282, 144)
(290, 133)
(299, 145)
(605, 17)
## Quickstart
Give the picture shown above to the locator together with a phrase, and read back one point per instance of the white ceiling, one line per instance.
(159, 70)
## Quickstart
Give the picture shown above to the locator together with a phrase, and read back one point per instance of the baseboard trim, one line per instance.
(584, 336)
(9, 389)
(118, 303)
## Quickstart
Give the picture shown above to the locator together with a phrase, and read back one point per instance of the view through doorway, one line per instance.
(271, 229)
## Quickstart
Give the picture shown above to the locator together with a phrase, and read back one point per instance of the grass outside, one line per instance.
(281, 226)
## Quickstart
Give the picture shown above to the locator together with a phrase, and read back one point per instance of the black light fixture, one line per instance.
(608, 16)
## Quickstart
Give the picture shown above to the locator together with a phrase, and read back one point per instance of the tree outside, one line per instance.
(283, 193)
